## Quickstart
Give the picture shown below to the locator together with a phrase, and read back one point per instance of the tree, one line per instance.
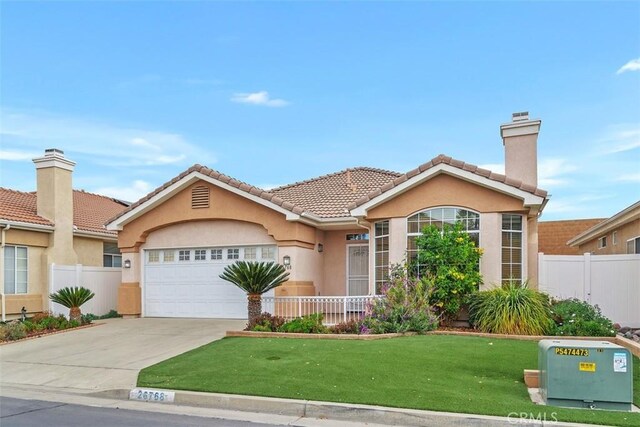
(255, 278)
(72, 298)
(451, 259)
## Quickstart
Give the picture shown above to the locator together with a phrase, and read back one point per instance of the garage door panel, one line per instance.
(192, 289)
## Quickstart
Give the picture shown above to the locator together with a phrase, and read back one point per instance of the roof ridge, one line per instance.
(332, 174)
(26, 193)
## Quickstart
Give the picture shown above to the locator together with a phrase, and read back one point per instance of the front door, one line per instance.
(357, 270)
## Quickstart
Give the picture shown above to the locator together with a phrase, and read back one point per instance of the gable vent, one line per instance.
(199, 197)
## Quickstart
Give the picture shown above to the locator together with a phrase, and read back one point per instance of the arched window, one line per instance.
(439, 216)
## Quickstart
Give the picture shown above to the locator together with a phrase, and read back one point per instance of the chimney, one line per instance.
(520, 140)
(54, 198)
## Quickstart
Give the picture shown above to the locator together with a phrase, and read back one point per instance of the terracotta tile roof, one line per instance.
(89, 214)
(451, 162)
(20, 206)
(91, 211)
(328, 196)
(553, 235)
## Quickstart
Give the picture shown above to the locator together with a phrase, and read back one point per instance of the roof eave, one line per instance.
(28, 226)
(627, 214)
(95, 235)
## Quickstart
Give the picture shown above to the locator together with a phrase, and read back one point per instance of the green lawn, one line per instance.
(442, 373)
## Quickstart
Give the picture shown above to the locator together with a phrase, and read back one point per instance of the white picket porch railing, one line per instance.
(335, 309)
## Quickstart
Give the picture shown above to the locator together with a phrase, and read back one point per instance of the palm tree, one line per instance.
(255, 278)
(72, 298)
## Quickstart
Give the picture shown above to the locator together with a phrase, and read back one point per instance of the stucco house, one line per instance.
(53, 225)
(619, 234)
(338, 234)
(553, 235)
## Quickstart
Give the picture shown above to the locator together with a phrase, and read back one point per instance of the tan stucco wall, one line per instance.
(89, 251)
(530, 246)
(445, 190)
(26, 238)
(624, 233)
(224, 205)
(335, 261)
(520, 158)
(491, 243)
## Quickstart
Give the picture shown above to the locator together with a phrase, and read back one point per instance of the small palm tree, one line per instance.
(255, 278)
(72, 298)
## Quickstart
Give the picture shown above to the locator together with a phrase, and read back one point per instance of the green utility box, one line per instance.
(585, 374)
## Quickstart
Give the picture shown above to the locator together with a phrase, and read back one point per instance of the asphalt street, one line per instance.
(29, 413)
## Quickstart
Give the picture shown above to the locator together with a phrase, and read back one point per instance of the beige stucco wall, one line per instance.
(625, 232)
(224, 205)
(520, 158)
(491, 243)
(335, 260)
(89, 251)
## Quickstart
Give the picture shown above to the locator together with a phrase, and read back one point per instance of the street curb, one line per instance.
(338, 411)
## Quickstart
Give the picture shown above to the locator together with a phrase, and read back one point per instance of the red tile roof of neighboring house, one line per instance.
(553, 235)
(90, 211)
(333, 195)
(328, 196)
(451, 162)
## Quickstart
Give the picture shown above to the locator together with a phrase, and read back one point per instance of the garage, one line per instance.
(185, 282)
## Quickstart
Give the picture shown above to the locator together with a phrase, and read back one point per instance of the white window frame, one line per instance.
(112, 256)
(153, 256)
(200, 254)
(602, 242)
(216, 254)
(169, 251)
(184, 255)
(614, 238)
(15, 269)
(266, 256)
(523, 262)
(633, 243)
(233, 253)
(250, 250)
(378, 282)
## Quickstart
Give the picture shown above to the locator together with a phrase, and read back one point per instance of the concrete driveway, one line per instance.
(106, 356)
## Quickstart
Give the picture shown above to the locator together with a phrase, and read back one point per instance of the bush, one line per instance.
(14, 331)
(349, 327)
(29, 326)
(573, 317)
(512, 309)
(451, 259)
(265, 323)
(49, 323)
(39, 316)
(309, 324)
(404, 306)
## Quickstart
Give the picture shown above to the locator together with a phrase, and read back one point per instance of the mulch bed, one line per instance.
(38, 334)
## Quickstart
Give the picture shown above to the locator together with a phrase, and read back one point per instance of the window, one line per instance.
(216, 254)
(153, 256)
(381, 233)
(633, 245)
(511, 249)
(15, 269)
(111, 255)
(268, 253)
(614, 238)
(439, 216)
(250, 253)
(233, 253)
(184, 255)
(363, 236)
(169, 256)
(200, 255)
(602, 242)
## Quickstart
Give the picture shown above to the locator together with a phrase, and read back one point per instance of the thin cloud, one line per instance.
(580, 205)
(18, 155)
(494, 167)
(129, 193)
(633, 65)
(105, 143)
(258, 98)
(620, 138)
(630, 177)
(551, 171)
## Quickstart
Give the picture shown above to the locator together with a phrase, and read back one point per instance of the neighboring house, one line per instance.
(553, 235)
(619, 234)
(53, 225)
(338, 234)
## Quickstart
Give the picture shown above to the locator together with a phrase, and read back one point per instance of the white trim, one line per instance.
(15, 269)
(28, 226)
(528, 199)
(186, 181)
(54, 161)
(94, 235)
(143, 303)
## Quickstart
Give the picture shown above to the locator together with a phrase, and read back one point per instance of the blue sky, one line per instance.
(272, 93)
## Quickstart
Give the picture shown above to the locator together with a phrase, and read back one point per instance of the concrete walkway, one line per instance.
(106, 356)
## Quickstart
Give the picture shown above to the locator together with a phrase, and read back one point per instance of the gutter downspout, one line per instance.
(2, 244)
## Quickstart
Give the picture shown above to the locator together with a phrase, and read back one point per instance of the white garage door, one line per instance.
(186, 282)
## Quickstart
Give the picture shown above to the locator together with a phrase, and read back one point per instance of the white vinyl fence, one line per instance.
(336, 309)
(102, 281)
(610, 281)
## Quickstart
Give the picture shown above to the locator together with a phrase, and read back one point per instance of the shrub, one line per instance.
(74, 324)
(265, 323)
(404, 306)
(29, 326)
(112, 314)
(451, 259)
(309, 324)
(39, 316)
(49, 323)
(72, 298)
(578, 318)
(349, 327)
(512, 309)
(14, 331)
(86, 319)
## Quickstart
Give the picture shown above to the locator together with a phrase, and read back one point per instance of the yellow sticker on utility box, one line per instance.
(566, 351)
(587, 366)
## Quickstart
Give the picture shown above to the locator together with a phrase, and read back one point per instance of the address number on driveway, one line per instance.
(147, 395)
